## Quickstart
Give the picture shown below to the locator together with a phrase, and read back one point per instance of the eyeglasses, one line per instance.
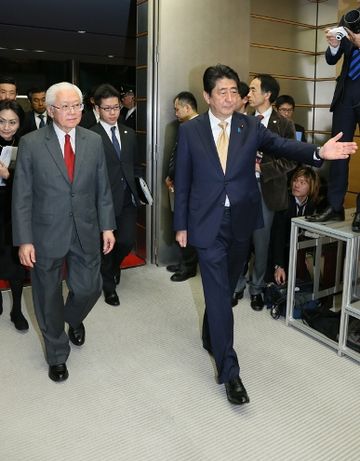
(287, 111)
(110, 108)
(66, 108)
(11, 123)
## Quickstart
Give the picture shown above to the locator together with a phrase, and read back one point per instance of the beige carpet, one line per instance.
(142, 387)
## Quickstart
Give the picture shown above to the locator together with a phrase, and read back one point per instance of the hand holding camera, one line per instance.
(338, 32)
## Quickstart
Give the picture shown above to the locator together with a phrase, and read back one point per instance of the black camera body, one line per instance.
(352, 21)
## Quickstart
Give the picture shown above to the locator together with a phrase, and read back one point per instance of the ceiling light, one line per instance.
(81, 31)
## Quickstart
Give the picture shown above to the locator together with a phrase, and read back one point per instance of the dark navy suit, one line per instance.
(346, 115)
(221, 234)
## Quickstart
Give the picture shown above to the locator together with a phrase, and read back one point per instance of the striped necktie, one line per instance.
(115, 141)
(354, 69)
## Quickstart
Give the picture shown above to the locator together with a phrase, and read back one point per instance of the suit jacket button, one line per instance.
(70, 214)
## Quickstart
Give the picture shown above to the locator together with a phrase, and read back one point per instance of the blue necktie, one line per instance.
(42, 123)
(115, 141)
(354, 69)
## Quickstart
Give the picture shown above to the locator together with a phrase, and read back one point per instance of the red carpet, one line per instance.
(131, 260)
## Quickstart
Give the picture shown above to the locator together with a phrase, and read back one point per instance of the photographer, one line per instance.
(346, 110)
(304, 186)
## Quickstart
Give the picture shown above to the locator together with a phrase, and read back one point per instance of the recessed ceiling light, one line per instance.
(19, 49)
(111, 56)
(39, 51)
(81, 31)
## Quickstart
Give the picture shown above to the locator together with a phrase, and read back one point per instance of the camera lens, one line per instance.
(352, 21)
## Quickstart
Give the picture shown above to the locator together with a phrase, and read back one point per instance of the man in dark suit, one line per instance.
(345, 107)
(37, 117)
(90, 116)
(185, 107)
(271, 174)
(61, 203)
(128, 110)
(120, 153)
(218, 204)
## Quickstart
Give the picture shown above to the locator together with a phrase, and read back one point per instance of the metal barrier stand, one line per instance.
(318, 235)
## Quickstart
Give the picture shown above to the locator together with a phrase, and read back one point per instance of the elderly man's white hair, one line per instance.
(56, 88)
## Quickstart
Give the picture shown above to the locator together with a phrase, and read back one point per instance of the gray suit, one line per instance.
(63, 221)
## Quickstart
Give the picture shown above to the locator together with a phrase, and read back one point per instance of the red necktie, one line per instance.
(69, 157)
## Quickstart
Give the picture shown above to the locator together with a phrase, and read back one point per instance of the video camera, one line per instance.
(352, 21)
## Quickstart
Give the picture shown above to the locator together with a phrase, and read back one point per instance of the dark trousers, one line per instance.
(83, 279)
(346, 116)
(220, 266)
(125, 239)
(189, 259)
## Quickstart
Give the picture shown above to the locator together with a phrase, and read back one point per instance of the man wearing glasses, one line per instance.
(61, 203)
(120, 153)
(285, 105)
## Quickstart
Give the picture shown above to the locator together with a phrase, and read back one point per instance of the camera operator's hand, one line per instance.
(331, 39)
(354, 38)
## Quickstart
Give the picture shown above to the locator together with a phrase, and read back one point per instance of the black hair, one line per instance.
(284, 99)
(243, 89)
(214, 73)
(35, 89)
(7, 79)
(269, 84)
(185, 97)
(15, 107)
(105, 91)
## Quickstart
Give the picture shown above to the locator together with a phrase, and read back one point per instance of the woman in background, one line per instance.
(11, 116)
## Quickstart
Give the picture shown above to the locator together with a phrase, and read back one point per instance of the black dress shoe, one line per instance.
(356, 222)
(173, 268)
(19, 321)
(77, 335)
(112, 299)
(182, 276)
(236, 297)
(256, 302)
(236, 392)
(329, 214)
(58, 372)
